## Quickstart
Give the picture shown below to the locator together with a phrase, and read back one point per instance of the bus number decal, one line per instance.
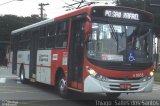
(138, 75)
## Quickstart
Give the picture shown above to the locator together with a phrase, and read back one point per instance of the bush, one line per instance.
(157, 76)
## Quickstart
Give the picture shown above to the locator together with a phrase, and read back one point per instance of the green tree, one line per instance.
(131, 3)
(9, 23)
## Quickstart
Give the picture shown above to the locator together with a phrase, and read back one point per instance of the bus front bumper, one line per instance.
(92, 85)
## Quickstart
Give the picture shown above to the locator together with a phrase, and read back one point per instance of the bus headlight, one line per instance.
(92, 72)
(151, 73)
(95, 75)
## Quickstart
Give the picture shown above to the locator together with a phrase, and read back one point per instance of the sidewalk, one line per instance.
(6, 72)
(156, 82)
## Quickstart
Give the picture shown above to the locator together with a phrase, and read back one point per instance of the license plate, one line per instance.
(125, 86)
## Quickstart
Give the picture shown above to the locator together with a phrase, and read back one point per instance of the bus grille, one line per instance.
(118, 88)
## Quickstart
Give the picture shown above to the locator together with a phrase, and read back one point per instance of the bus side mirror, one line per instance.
(87, 27)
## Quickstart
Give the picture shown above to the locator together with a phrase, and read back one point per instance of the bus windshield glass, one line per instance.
(120, 43)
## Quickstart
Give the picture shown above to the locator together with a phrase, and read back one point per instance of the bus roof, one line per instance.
(32, 26)
(83, 10)
(70, 14)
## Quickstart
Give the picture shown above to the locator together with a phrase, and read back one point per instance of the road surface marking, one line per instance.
(2, 80)
(18, 82)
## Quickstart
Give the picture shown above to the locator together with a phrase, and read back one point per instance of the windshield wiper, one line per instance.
(98, 43)
(114, 34)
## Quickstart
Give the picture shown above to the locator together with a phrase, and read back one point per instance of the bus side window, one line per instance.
(42, 38)
(62, 34)
(19, 41)
(27, 40)
(51, 33)
(43, 31)
(23, 41)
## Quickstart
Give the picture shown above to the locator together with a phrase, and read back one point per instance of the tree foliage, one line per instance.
(131, 3)
(9, 23)
(143, 4)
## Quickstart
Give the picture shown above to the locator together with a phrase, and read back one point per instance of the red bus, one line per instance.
(95, 49)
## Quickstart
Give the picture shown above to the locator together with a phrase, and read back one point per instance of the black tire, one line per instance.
(112, 96)
(61, 86)
(22, 75)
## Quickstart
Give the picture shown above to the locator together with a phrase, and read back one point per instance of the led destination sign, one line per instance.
(120, 14)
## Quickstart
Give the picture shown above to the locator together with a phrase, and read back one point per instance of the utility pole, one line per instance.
(144, 6)
(42, 9)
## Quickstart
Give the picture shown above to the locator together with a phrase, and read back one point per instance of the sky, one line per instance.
(28, 7)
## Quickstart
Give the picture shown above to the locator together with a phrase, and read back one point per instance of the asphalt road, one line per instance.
(14, 93)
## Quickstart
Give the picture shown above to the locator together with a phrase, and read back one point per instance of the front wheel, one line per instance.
(22, 75)
(62, 88)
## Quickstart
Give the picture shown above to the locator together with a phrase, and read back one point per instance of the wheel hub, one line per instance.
(22, 77)
(62, 85)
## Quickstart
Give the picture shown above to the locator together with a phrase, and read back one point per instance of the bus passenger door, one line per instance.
(33, 55)
(75, 61)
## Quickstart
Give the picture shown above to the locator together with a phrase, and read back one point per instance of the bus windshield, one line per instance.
(120, 43)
